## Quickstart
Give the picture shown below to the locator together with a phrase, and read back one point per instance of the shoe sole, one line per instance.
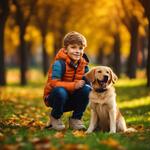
(51, 127)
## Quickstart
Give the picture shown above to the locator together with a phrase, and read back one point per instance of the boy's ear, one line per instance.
(90, 75)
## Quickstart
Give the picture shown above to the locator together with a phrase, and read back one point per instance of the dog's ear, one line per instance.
(114, 77)
(90, 75)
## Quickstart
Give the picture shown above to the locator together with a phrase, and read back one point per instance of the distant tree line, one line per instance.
(59, 17)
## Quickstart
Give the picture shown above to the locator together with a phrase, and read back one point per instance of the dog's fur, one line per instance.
(105, 114)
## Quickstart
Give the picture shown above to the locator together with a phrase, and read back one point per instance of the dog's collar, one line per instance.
(100, 90)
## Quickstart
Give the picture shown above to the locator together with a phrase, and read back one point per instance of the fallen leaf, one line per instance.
(76, 147)
(59, 135)
(112, 143)
(19, 139)
(2, 137)
(10, 147)
(78, 133)
(42, 144)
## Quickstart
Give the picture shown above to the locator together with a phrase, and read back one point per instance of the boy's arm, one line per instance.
(57, 75)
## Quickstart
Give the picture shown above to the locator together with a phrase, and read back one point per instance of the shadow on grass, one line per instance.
(132, 92)
(140, 110)
(138, 115)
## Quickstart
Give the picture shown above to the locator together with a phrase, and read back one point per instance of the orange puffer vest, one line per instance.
(70, 76)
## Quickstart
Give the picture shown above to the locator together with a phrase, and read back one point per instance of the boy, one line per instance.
(66, 88)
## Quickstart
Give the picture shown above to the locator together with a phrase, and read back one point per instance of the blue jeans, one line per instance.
(62, 101)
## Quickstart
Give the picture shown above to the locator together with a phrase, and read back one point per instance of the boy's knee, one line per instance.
(84, 93)
(60, 93)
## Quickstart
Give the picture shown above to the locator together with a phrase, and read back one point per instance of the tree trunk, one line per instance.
(132, 60)
(23, 57)
(146, 5)
(148, 57)
(45, 57)
(2, 56)
(100, 57)
(58, 38)
(60, 32)
(117, 58)
(3, 17)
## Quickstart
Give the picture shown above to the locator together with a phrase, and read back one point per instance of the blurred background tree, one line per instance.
(146, 5)
(116, 31)
(4, 12)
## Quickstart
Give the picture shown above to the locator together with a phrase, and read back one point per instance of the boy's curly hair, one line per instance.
(74, 38)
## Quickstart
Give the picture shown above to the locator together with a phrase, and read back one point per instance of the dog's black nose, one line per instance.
(105, 78)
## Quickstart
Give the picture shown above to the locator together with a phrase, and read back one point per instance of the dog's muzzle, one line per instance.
(105, 78)
(103, 81)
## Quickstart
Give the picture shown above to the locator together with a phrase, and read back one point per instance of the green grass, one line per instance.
(23, 116)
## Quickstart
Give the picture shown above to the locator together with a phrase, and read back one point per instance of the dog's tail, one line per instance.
(129, 130)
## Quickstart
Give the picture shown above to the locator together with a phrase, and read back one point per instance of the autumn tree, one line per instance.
(43, 17)
(146, 5)
(132, 17)
(52, 16)
(24, 10)
(4, 12)
(117, 55)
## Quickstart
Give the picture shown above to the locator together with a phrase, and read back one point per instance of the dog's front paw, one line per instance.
(88, 132)
(112, 131)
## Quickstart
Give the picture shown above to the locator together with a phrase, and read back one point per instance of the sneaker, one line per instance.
(76, 124)
(56, 124)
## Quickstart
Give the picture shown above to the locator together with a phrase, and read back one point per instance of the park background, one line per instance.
(31, 33)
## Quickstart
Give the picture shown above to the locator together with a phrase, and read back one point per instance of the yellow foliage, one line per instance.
(97, 20)
(33, 35)
(11, 37)
(125, 41)
(49, 43)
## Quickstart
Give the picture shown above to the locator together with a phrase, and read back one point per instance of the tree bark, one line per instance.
(45, 57)
(146, 5)
(148, 57)
(132, 60)
(4, 7)
(23, 57)
(100, 57)
(117, 55)
(58, 40)
(2, 56)
(22, 21)
(61, 31)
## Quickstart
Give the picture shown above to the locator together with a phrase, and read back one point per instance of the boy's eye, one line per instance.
(80, 48)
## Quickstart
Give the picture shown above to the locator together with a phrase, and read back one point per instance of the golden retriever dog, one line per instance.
(105, 115)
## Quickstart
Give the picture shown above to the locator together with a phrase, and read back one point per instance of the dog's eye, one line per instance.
(99, 71)
(107, 71)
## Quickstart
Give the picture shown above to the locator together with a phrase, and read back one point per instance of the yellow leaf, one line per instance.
(11, 147)
(2, 137)
(112, 143)
(59, 135)
(76, 147)
(78, 133)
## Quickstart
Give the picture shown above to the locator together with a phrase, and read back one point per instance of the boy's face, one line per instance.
(75, 51)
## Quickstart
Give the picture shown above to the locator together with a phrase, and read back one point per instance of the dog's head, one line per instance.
(101, 77)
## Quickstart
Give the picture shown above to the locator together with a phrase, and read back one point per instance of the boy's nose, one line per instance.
(77, 50)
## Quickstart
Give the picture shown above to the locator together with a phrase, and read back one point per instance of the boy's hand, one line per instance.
(79, 84)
